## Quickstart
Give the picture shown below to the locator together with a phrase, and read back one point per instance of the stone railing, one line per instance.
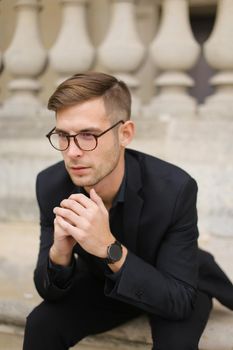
(172, 52)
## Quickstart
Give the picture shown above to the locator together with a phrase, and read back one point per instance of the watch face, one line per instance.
(115, 252)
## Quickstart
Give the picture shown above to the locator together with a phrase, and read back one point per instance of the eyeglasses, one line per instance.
(85, 141)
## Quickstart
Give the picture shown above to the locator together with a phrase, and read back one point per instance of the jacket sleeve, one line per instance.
(44, 277)
(168, 286)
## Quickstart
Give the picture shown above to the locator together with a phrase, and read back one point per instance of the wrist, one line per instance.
(115, 267)
(59, 258)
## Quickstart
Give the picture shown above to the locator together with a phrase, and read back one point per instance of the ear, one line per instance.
(127, 132)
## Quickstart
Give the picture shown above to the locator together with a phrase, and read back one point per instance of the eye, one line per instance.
(61, 135)
(86, 136)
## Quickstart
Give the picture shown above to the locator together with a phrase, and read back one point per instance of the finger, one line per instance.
(73, 205)
(70, 230)
(82, 200)
(97, 199)
(58, 225)
(70, 217)
(67, 214)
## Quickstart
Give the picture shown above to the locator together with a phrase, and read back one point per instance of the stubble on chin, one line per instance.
(80, 181)
(84, 181)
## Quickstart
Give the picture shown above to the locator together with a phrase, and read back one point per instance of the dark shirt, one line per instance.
(61, 276)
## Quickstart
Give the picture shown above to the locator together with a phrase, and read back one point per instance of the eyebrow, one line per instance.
(90, 130)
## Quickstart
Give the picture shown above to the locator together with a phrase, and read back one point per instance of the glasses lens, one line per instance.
(59, 141)
(86, 141)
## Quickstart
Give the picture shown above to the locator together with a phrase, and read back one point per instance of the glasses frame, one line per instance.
(68, 137)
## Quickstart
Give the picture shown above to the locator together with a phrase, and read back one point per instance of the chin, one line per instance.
(79, 180)
(82, 181)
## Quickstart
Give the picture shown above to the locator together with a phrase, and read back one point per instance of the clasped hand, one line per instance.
(82, 220)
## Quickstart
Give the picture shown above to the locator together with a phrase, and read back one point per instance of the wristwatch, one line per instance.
(114, 253)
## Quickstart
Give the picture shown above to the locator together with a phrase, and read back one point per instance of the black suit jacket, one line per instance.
(164, 268)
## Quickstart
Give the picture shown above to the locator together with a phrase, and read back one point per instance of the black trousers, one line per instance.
(86, 311)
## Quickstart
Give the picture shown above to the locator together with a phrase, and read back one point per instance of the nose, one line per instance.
(73, 150)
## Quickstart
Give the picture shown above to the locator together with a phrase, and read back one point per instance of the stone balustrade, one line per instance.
(170, 53)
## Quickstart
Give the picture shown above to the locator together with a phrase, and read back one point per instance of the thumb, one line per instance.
(97, 199)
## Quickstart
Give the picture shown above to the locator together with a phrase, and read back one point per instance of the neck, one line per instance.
(108, 187)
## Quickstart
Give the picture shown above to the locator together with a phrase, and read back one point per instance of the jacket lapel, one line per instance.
(133, 202)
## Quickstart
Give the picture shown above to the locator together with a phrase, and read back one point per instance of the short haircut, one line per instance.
(84, 87)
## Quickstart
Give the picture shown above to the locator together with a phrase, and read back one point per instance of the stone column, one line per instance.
(174, 51)
(218, 51)
(72, 52)
(25, 59)
(122, 52)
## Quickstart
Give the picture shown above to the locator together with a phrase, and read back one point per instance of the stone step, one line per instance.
(135, 335)
(11, 338)
(19, 244)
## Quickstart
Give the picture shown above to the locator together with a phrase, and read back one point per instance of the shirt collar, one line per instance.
(120, 196)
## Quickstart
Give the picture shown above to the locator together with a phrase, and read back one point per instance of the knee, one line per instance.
(41, 330)
(39, 320)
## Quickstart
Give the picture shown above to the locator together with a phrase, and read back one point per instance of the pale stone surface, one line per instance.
(174, 51)
(218, 51)
(25, 59)
(122, 51)
(10, 338)
(98, 16)
(72, 51)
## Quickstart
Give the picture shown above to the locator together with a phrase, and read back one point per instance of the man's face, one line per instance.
(88, 168)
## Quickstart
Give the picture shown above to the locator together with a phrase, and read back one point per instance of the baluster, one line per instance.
(174, 51)
(218, 51)
(25, 59)
(72, 52)
(121, 51)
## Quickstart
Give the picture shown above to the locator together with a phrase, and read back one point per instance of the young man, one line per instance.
(118, 230)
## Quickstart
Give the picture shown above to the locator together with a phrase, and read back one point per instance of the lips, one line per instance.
(79, 169)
